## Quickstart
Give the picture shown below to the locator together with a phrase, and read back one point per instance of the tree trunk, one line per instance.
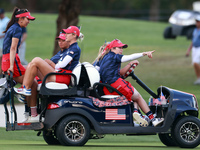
(69, 11)
(154, 10)
(31, 5)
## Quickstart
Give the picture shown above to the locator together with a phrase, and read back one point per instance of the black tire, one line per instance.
(186, 132)
(166, 139)
(189, 33)
(168, 33)
(73, 131)
(50, 138)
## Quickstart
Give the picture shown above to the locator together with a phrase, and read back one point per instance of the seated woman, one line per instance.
(66, 63)
(144, 119)
(64, 45)
(109, 67)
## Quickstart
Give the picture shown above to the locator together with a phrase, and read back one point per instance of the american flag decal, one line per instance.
(115, 114)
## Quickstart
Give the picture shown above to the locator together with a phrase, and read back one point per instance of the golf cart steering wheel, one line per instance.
(131, 69)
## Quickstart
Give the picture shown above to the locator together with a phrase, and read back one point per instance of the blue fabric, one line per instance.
(110, 67)
(196, 38)
(15, 31)
(56, 57)
(23, 30)
(75, 52)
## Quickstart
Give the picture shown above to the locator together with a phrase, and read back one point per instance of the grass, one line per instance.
(168, 67)
(22, 140)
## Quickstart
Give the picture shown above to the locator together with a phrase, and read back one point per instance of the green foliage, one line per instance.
(139, 9)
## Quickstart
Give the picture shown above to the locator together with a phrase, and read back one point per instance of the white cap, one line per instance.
(197, 18)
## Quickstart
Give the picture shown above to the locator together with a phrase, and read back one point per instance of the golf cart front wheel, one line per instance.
(167, 139)
(73, 131)
(186, 132)
(50, 138)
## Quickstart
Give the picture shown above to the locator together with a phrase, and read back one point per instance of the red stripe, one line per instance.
(112, 114)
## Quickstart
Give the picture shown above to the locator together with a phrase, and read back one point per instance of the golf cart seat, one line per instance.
(53, 88)
(62, 86)
(86, 75)
(53, 85)
(80, 78)
(88, 81)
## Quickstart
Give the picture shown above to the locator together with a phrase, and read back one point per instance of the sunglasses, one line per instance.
(22, 10)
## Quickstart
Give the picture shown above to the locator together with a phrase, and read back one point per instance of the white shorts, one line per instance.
(195, 55)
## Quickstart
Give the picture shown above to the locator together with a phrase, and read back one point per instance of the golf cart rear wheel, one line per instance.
(50, 138)
(186, 132)
(168, 33)
(166, 139)
(73, 131)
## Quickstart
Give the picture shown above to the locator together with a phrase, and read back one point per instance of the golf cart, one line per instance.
(76, 113)
(182, 24)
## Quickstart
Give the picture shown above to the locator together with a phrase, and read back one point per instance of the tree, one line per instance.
(69, 11)
(154, 10)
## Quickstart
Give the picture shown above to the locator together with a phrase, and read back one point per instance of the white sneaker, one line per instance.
(22, 90)
(146, 118)
(141, 121)
(20, 98)
(26, 116)
(157, 121)
(136, 124)
(32, 119)
(197, 81)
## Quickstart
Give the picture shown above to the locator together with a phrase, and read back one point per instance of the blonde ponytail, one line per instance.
(81, 37)
(102, 52)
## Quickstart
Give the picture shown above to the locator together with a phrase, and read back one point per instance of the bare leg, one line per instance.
(33, 98)
(140, 101)
(51, 63)
(37, 64)
(39, 74)
(145, 108)
(19, 79)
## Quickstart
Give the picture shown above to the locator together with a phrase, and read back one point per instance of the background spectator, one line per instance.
(195, 47)
(3, 24)
(22, 47)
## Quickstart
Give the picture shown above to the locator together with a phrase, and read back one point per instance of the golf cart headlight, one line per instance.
(172, 20)
(195, 102)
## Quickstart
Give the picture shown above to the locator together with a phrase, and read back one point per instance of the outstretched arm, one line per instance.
(126, 58)
(149, 53)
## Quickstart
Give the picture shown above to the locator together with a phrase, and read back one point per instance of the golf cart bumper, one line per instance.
(180, 30)
(177, 29)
